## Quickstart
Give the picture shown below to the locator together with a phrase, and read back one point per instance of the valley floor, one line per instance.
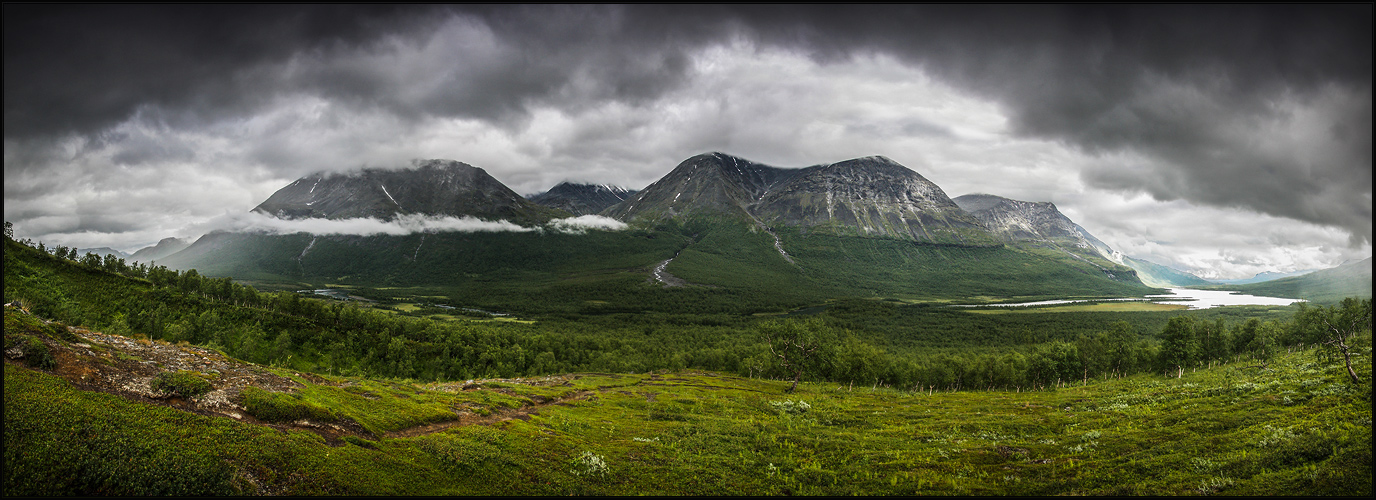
(92, 423)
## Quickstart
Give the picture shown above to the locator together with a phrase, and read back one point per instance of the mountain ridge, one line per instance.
(581, 199)
(1041, 225)
(429, 187)
(871, 197)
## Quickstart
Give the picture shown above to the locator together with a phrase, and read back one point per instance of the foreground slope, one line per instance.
(91, 423)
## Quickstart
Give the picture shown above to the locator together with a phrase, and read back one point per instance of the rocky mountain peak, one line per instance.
(429, 187)
(1016, 220)
(870, 196)
(581, 199)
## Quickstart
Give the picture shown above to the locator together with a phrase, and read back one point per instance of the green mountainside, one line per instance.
(720, 256)
(719, 225)
(1325, 286)
(131, 380)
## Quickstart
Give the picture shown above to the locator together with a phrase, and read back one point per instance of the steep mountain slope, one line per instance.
(164, 248)
(872, 196)
(710, 184)
(1040, 225)
(581, 199)
(430, 187)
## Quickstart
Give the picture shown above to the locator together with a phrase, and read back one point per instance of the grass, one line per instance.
(1297, 427)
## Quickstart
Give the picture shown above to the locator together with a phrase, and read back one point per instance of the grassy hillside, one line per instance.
(1297, 427)
(735, 266)
(1326, 287)
(139, 381)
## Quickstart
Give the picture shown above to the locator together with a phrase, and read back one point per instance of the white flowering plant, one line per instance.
(589, 464)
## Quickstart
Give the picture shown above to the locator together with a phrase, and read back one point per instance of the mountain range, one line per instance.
(869, 197)
(867, 225)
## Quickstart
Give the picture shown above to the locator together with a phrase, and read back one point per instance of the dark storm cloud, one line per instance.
(1216, 105)
(1181, 85)
(82, 67)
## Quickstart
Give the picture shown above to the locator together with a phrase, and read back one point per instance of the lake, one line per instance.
(1205, 299)
(1194, 299)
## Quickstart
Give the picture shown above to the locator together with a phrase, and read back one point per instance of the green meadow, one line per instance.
(1296, 427)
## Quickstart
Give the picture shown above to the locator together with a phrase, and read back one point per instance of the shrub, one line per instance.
(182, 383)
(37, 355)
(278, 407)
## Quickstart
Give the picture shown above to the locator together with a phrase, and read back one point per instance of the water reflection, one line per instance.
(1194, 299)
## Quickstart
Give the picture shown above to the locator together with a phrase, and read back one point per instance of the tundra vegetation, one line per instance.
(898, 397)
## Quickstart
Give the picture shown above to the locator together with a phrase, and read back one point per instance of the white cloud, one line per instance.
(578, 225)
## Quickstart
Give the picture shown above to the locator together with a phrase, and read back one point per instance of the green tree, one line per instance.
(1338, 328)
(1179, 346)
(794, 343)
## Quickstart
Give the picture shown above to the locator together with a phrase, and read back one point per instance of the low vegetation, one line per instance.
(1297, 426)
(125, 380)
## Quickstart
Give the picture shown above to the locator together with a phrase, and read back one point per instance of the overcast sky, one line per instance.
(1220, 140)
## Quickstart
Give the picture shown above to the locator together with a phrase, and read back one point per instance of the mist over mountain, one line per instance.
(1263, 277)
(1161, 276)
(164, 248)
(429, 187)
(581, 199)
(102, 251)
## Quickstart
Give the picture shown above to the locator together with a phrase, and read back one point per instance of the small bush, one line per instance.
(278, 407)
(37, 355)
(182, 383)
